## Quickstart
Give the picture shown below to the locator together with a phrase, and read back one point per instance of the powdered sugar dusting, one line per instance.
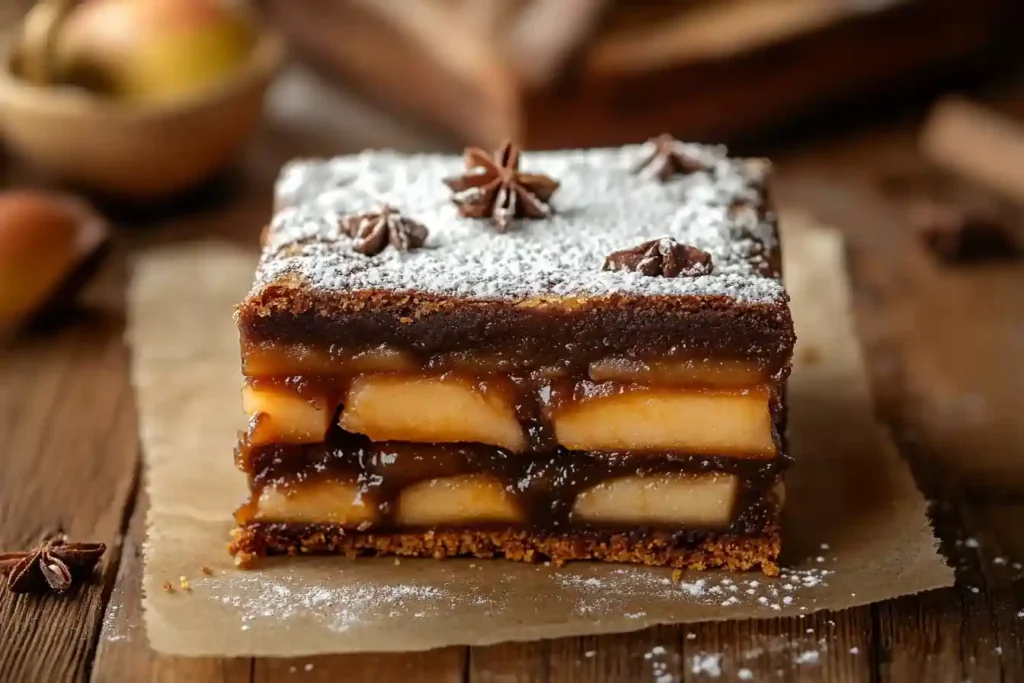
(792, 588)
(600, 207)
(254, 598)
(368, 596)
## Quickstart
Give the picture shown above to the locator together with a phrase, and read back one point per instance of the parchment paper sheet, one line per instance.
(855, 533)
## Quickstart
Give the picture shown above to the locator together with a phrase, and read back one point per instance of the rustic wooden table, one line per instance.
(946, 353)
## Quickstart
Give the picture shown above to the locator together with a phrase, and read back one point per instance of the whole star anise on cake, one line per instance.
(54, 563)
(493, 187)
(663, 257)
(667, 157)
(375, 230)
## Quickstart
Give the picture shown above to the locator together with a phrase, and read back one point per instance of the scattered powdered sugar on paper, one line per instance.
(341, 605)
(255, 597)
(791, 587)
(600, 207)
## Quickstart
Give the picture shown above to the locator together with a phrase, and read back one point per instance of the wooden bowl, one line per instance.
(136, 151)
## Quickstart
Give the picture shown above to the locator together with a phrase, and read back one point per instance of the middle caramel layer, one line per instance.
(360, 485)
(516, 414)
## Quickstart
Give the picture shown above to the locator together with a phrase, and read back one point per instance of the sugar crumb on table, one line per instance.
(709, 664)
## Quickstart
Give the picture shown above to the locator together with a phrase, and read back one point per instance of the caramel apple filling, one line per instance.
(663, 499)
(669, 420)
(526, 414)
(432, 410)
(456, 501)
(669, 499)
(278, 415)
(322, 502)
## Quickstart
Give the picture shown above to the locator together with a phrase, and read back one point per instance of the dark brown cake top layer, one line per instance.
(601, 206)
(525, 336)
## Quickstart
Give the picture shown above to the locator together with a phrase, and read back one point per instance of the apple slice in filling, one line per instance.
(432, 410)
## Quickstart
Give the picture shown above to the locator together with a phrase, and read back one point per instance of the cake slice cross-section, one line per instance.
(572, 355)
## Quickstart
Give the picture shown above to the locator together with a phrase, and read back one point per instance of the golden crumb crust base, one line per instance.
(731, 552)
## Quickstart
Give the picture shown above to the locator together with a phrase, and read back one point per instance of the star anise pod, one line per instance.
(666, 159)
(961, 234)
(493, 187)
(663, 257)
(373, 231)
(54, 563)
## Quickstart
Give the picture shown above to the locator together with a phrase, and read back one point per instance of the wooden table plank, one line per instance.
(1005, 519)
(819, 647)
(437, 666)
(832, 646)
(963, 633)
(628, 656)
(123, 654)
(69, 452)
(915, 341)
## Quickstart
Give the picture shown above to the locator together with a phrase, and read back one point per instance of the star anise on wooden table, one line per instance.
(494, 187)
(53, 563)
(375, 230)
(666, 159)
(663, 257)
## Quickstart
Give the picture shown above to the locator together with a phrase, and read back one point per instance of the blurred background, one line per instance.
(126, 123)
(132, 75)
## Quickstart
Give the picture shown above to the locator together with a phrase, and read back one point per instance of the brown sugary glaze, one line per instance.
(654, 548)
(543, 488)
